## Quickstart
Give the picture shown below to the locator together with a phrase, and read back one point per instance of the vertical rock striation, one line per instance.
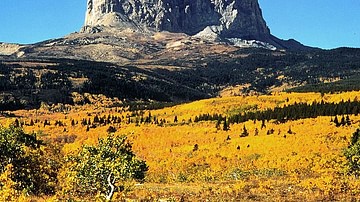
(227, 18)
(236, 21)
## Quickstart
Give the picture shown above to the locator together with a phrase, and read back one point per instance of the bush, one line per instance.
(33, 167)
(352, 154)
(111, 129)
(104, 168)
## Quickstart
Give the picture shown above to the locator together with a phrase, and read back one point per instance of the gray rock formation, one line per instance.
(123, 31)
(226, 18)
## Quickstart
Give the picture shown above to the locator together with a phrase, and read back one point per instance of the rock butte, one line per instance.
(128, 30)
(217, 19)
(230, 19)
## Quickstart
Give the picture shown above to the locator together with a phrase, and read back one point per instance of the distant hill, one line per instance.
(28, 82)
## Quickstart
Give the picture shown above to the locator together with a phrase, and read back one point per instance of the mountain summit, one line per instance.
(237, 21)
(131, 30)
(227, 18)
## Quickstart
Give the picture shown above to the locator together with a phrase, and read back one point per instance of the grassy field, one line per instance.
(298, 160)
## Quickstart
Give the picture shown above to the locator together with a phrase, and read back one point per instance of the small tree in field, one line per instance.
(105, 168)
(226, 126)
(352, 154)
(245, 133)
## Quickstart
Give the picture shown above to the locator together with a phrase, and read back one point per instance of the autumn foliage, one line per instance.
(196, 151)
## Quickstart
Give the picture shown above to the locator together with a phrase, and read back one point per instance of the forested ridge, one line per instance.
(26, 86)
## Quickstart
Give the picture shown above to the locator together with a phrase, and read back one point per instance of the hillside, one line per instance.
(26, 83)
(295, 160)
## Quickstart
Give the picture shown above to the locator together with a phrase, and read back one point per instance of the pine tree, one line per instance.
(256, 132)
(343, 122)
(196, 147)
(348, 121)
(263, 124)
(196, 119)
(16, 123)
(245, 133)
(226, 126)
(96, 119)
(31, 122)
(218, 124)
(83, 122)
(336, 121)
(290, 131)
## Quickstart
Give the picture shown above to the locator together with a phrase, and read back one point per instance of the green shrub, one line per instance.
(352, 154)
(105, 168)
(34, 165)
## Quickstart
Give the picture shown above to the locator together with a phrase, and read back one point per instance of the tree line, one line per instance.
(295, 111)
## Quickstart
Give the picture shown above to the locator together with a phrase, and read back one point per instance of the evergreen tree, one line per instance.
(336, 121)
(225, 126)
(196, 119)
(244, 133)
(96, 119)
(102, 120)
(175, 119)
(348, 121)
(343, 122)
(84, 122)
(111, 129)
(142, 119)
(196, 147)
(290, 131)
(16, 123)
(32, 123)
(218, 122)
(263, 124)
(270, 132)
(256, 132)
(46, 123)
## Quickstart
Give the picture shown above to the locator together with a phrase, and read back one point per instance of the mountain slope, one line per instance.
(163, 78)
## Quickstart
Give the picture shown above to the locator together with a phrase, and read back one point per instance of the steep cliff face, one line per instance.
(226, 18)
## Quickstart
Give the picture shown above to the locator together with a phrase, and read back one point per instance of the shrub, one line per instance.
(104, 168)
(33, 167)
(352, 154)
(111, 129)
